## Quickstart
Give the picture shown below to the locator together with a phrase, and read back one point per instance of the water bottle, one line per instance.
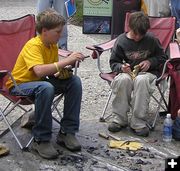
(167, 129)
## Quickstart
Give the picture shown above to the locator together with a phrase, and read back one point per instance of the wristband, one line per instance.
(57, 68)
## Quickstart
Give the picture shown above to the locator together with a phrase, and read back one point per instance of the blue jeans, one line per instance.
(42, 92)
(59, 6)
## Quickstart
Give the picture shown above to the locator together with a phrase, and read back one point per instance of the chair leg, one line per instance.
(56, 120)
(54, 107)
(156, 116)
(102, 118)
(162, 97)
(5, 112)
(30, 141)
(157, 110)
(14, 135)
(6, 106)
(55, 104)
(158, 102)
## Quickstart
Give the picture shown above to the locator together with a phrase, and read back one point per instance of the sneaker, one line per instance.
(144, 132)
(45, 149)
(115, 127)
(28, 120)
(69, 141)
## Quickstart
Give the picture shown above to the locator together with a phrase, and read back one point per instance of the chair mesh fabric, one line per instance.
(13, 35)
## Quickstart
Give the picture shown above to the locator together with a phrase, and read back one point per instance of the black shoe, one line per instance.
(69, 141)
(115, 127)
(45, 149)
(144, 132)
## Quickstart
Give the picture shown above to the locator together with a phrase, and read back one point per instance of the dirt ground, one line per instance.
(95, 155)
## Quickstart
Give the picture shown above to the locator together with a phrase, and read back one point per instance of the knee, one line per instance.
(141, 80)
(47, 89)
(123, 79)
(121, 83)
(126, 80)
(76, 83)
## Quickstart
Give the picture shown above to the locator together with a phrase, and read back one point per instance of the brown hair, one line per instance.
(139, 23)
(49, 19)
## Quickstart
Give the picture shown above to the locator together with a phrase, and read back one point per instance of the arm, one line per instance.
(157, 58)
(117, 57)
(50, 69)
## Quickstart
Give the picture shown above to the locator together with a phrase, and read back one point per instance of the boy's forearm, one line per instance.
(44, 70)
(50, 69)
(64, 62)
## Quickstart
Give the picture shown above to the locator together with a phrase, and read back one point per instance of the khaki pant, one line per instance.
(132, 93)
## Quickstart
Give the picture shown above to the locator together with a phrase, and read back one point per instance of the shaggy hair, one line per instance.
(49, 19)
(139, 23)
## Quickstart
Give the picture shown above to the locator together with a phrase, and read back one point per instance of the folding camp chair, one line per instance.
(13, 35)
(163, 29)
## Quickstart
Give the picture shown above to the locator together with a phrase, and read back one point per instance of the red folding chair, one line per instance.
(13, 35)
(163, 29)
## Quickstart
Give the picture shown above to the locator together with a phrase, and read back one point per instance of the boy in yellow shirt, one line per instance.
(37, 60)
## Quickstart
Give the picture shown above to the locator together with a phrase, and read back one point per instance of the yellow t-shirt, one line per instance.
(33, 53)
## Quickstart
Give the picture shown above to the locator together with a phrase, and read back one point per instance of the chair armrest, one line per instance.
(108, 76)
(174, 56)
(103, 46)
(98, 49)
(107, 45)
(95, 47)
(174, 50)
(64, 53)
(163, 73)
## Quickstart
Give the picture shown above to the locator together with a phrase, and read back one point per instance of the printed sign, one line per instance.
(96, 25)
(97, 7)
